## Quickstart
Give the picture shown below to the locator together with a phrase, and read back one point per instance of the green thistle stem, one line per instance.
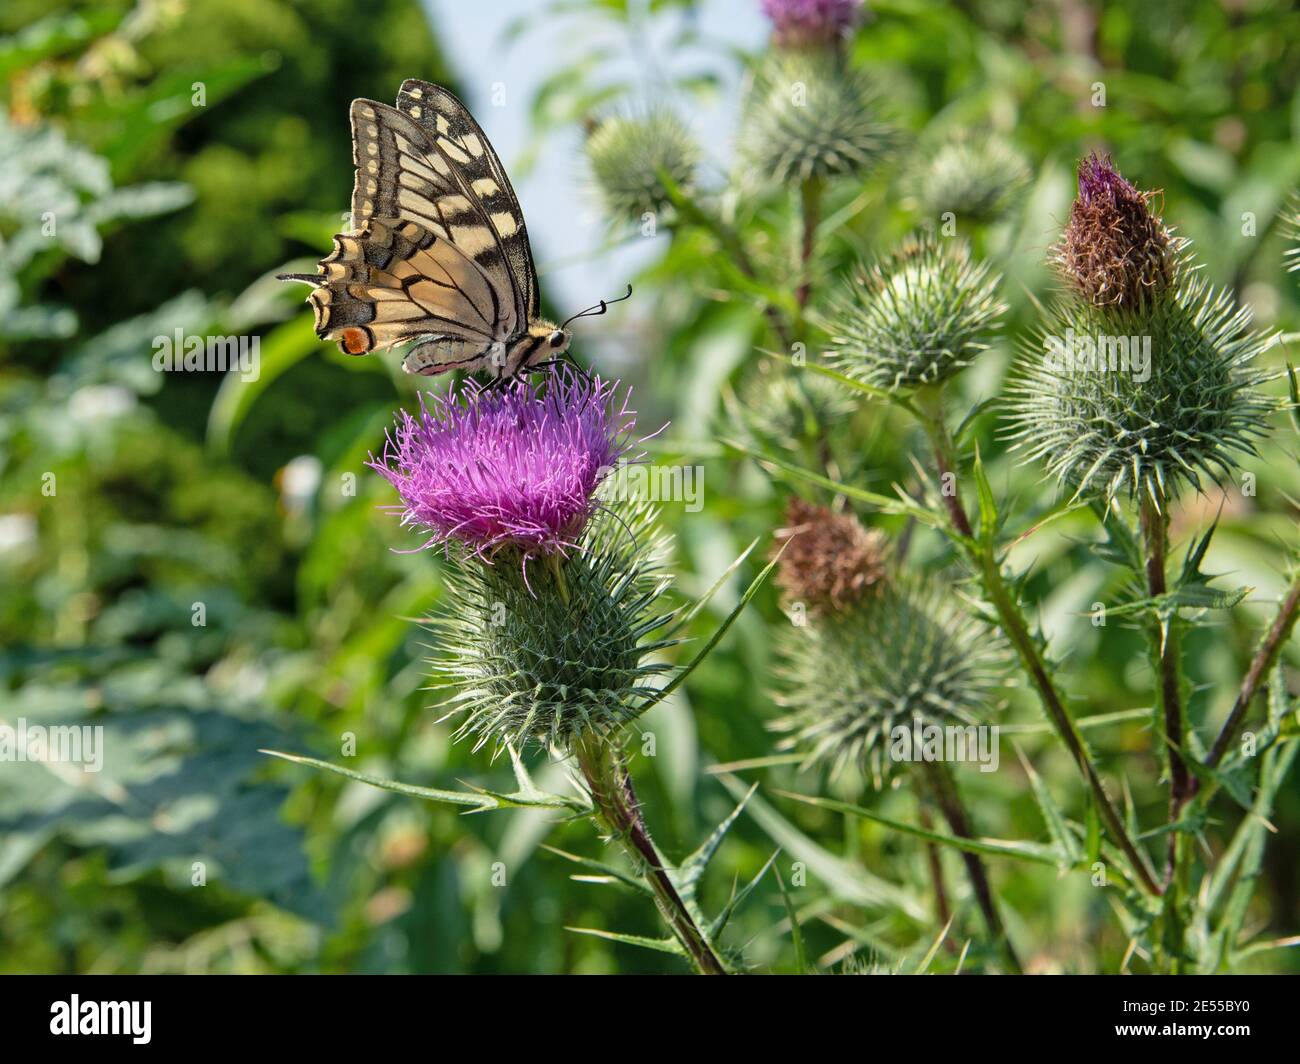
(1154, 518)
(1265, 656)
(983, 557)
(618, 812)
(944, 789)
(810, 200)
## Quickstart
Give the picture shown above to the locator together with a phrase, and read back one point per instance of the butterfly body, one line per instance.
(438, 252)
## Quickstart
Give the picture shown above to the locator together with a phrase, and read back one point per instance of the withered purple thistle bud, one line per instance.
(1115, 250)
(831, 562)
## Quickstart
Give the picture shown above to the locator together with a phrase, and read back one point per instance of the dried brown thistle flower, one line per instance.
(830, 560)
(1115, 249)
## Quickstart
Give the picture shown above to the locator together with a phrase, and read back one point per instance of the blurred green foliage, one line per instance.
(127, 497)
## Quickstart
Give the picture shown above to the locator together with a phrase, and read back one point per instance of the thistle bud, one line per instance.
(902, 656)
(811, 115)
(915, 317)
(787, 406)
(629, 155)
(1144, 380)
(829, 561)
(1115, 250)
(976, 178)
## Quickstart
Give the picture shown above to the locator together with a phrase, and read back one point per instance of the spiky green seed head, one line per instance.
(1144, 401)
(811, 115)
(976, 178)
(558, 650)
(914, 317)
(787, 405)
(629, 155)
(906, 653)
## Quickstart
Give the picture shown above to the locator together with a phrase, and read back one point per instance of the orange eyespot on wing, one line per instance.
(355, 341)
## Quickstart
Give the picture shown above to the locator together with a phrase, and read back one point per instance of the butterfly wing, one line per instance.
(470, 154)
(426, 258)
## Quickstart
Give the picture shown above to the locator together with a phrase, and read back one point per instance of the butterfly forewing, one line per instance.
(463, 143)
(438, 249)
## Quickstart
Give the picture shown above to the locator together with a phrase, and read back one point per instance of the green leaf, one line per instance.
(1057, 826)
(988, 507)
(604, 872)
(659, 945)
(1028, 851)
(796, 932)
(842, 878)
(737, 899)
(704, 599)
(714, 639)
(886, 503)
(477, 801)
(687, 875)
(284, 348)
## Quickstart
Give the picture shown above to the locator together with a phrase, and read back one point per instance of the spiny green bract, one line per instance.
(848, 679)
(1119, 401)
(523, 664)
(975, 177)
(1291, 231)
(628, 156)
(915, 317)
(811, 115)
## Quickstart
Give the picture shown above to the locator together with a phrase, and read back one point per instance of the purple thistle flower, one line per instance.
(512, 467)
(810, 22)
(1099, 181)
(1116, 250)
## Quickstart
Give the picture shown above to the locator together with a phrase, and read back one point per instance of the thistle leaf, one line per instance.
(688, 873)
(796, 932)
(659, 945)
(605, 872)
(1057, 825)
(477, 801)
(1027, 851)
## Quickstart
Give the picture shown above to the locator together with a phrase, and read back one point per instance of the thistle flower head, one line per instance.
(810, 114)
(977, 178)
(514, 467)
(629, 155)
(1118, 401)
(804, 23)
(914, 317)
(829, 561)
(1115, 250)
(906, 654)
(563, 653)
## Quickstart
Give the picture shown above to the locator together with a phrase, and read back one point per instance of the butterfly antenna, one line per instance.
(305, 278)
(598, 309)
